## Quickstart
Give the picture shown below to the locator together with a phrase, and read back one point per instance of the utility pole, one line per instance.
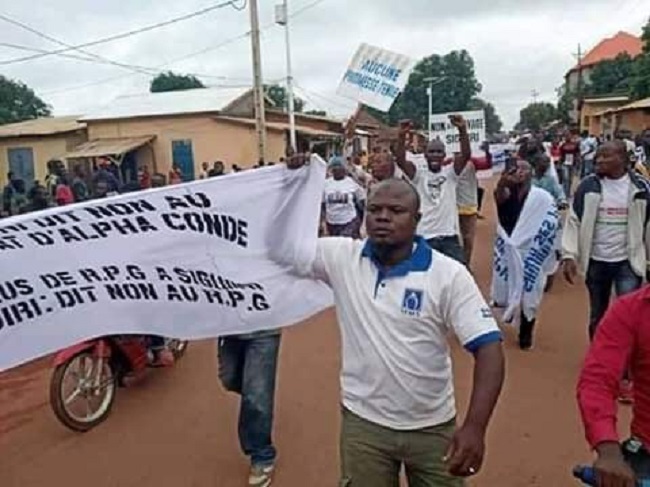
(432, 81)
(580, 88)
(258, 89)
(282, 18)
(535, 94)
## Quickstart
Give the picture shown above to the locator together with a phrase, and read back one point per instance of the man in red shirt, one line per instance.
(622, 338)
(569, 159)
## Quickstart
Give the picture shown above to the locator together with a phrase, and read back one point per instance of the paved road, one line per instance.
(179, 427)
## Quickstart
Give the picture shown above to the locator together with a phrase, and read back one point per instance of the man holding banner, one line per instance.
(436, 186)
(396, 300)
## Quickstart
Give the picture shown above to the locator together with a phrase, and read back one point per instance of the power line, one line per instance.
(182, 58)
(125, 34)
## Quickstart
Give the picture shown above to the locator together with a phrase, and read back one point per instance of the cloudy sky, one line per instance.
(518, 45)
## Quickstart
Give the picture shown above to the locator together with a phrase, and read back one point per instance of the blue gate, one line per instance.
(21, 163)
(183, 157)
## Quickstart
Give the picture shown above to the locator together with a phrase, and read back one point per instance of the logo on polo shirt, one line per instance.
(412, 302)
(486, 313)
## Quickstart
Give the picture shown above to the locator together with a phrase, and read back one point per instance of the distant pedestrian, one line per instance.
(204, 174)
(569, 161)
(218, 169)
(528, 225)
(79, 187)
(343, 202)
(145, 178)
(175, 175)
(106, 176)
(467, 193)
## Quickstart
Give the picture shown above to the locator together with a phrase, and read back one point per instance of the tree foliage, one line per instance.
(493, 123)
(611, 76)
(278, 94)
(18, 102)
(454, 88)
(640, 86)
(171, 81)
(536, 115)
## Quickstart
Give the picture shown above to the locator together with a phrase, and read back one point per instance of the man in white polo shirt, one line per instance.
(396, 300)
(436, 185)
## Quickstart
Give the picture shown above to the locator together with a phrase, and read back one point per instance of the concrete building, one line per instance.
(187, 128)
(633, 118)
(593, 108)
(26, 147)
(606, 49)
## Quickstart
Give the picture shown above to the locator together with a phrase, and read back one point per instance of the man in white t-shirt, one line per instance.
(588, 146)
(436, 185)
(396, 301)
(343, 202)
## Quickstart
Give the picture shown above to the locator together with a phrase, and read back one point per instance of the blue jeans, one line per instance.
(601, 277)
(587, 168)
(450, 246)
(567, 179)
(248, 368)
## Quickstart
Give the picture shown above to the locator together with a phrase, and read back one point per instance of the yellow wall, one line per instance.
(211, 140)
(43, 148)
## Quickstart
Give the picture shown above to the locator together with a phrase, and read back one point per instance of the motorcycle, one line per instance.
(587, 476)
(86, 376)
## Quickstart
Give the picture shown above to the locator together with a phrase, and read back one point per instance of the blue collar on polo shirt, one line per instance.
(419, 261)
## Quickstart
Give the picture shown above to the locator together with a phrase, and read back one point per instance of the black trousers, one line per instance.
(526, 330)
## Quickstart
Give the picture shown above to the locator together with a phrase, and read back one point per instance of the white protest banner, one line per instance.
(442, 129)
(190, 261)
(376, 77)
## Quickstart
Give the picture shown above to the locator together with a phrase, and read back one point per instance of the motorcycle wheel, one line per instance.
(178, 348)
(95, 401)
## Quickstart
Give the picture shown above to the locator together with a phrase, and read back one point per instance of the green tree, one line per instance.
(493, 123)
(18, 102)
(640, 85)
(170, 81)
(611, 76)
(536, 115)
(565, 103)
(278, 94)
(454, 87)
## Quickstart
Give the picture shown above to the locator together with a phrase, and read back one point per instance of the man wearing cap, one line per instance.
(436, 185)
(343, 202)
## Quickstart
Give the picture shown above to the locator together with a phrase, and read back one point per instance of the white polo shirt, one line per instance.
(396, 369)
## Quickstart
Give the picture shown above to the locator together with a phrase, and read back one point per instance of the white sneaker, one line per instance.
(261, 476)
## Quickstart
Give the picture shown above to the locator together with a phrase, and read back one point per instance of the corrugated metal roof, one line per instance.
(200, 100)
(108, 147)
(637, 105)
(607, 99)
(42, 126)
(280, 126)
(611, 47)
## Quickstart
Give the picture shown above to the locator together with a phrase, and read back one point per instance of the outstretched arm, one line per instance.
(465, 148)
(400, 151)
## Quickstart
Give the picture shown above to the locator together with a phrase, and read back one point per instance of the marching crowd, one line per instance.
(397, 237)
(581, 205)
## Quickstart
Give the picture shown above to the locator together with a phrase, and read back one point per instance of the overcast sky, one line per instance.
(518, 45)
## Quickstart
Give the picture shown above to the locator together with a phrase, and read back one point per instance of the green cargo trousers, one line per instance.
(372, 455)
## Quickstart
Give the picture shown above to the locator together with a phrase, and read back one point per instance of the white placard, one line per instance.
(189, 261)
(442, 129)
(376, 77)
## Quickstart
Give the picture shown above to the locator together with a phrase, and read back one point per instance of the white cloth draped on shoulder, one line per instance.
(523, 260)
